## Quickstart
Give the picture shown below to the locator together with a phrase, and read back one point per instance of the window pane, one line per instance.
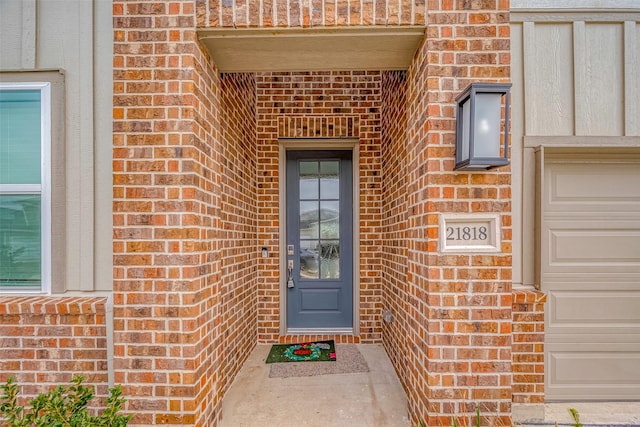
(309, 220)
(309, 259)
(20, 244)
(20, 137)
(308, 180)
(330, 220)
(329, 180)
(329, 259)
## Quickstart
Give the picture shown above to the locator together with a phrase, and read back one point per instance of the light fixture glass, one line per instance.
(481, 141)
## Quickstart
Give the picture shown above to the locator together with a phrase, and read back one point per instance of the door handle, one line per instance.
(290, 283)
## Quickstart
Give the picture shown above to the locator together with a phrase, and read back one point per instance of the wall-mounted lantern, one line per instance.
(481, 142)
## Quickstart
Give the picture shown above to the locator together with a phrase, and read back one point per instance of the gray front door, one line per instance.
(319, 240)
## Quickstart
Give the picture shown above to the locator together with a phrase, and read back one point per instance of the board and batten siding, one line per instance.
(76, 38)
(576, 83)
(575, 151)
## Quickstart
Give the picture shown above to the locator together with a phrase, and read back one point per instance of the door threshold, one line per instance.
(319, 331)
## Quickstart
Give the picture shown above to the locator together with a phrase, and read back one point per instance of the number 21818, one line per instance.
(467, 233)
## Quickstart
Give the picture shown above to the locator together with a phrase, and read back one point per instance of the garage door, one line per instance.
(590, 269)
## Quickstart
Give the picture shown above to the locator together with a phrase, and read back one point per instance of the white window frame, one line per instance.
(44, 189)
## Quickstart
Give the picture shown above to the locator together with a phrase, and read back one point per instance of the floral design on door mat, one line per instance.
(321, 351)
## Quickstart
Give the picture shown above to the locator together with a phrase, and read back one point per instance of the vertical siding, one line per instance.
(59, 34)
(580, 74)
(549, 92)
(632, 77)
(599, 81)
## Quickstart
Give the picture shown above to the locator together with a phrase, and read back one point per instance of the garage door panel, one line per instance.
(587, 281)
(592, 186)
(615, 342)
(593, 309)
(589, 246)
(578, 373)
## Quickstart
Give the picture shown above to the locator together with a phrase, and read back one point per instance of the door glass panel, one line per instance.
(319, 243)
(329, 180)
(330, 259)
(309, 220)
(308, 180)
(309, 259)
(330, 220)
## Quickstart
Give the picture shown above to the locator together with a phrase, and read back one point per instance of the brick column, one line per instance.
(528, 346)
(459, 309)
(167, 198)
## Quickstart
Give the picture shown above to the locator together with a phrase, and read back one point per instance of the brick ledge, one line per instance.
(528, 296)
(75, 305)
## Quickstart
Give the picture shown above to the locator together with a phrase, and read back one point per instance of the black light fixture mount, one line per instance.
(481, 142)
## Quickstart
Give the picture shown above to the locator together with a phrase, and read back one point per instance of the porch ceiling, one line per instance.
(312, 49)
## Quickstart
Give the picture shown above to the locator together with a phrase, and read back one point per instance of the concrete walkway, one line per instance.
(372, 399)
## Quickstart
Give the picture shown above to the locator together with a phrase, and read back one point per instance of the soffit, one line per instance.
(312, 49)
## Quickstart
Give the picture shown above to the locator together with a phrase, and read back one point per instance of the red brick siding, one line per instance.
(394, 221)
(459, 308)
(238, 321)
(181, 195)
(309, 13)
(184, 234)
(317, 101)
(45, 341)
(528, 346)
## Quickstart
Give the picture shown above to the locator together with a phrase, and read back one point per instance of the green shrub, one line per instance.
(62, 406)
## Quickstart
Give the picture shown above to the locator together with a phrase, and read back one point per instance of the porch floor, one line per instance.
(375, 398)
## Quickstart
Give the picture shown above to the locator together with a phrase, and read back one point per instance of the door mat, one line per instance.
(306, 352)
(349, 361)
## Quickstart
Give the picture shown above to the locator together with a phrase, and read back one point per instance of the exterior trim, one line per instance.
(43, 189)
(582, 141)
(320, 331)
(581, 5)
(312, 49)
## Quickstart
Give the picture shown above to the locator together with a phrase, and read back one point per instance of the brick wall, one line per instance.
(45, 341)
(528, 346)
(184, 234)
(394, 217)
(319, 104)
(459, 308)
(239, 257)
(309, 13)
(196, 193)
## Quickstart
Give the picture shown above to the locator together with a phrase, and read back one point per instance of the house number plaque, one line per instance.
(469, 233)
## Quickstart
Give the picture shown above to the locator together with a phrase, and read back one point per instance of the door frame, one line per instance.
(321, 144)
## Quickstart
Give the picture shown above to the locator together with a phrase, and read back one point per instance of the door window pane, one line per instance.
(20, 245)
(330, 220)
(309, 220)
(308, 180)
(329, 180)
(330, 259)
(309, 259)
(20, 137)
